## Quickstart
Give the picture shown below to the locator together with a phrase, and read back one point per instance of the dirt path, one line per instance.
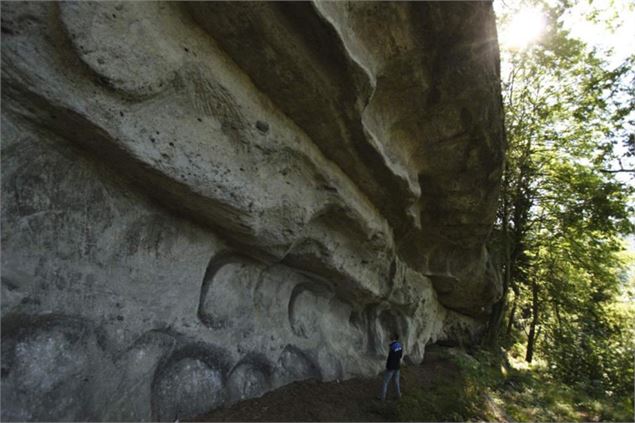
(350, 400)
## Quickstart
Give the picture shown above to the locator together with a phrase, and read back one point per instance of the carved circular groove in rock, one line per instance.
(392, 322)
(187, 388)
(306, 310)
(294, 364)
(127, 44)
(250, 378)
(225, 299)
(191, 382)
(382, 323)
(46, 363)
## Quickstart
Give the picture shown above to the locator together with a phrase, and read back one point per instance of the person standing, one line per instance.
(395, 351)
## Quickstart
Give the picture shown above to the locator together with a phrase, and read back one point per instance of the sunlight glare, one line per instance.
(525, 27)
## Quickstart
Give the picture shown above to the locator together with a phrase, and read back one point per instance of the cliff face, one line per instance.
(205, 201)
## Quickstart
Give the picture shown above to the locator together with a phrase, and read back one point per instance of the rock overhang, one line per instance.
(347, 153)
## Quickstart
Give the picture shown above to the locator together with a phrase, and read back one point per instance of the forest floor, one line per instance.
(449, 385)
(351, 400)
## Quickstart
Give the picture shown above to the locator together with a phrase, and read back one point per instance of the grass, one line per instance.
(456, 398)
(489, 388)
(443, 403)
(530, 393)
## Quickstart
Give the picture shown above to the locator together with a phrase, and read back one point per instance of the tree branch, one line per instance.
(622, 170)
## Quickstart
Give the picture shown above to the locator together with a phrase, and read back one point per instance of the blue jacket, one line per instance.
(394, 356)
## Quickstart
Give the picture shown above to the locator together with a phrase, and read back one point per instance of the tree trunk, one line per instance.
(558, 318)
(531, 339)
(495, 320)
(512, 316)
(498, 309)
(512, 312)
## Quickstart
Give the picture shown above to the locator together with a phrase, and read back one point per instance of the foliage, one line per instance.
(494, 386)
(563, 212)
(533, 394)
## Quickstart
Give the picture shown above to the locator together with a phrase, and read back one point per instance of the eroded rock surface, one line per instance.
(202, 202)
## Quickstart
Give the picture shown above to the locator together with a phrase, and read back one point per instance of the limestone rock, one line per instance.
(202, 202)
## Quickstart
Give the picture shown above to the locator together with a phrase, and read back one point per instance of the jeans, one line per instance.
(389, 374)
